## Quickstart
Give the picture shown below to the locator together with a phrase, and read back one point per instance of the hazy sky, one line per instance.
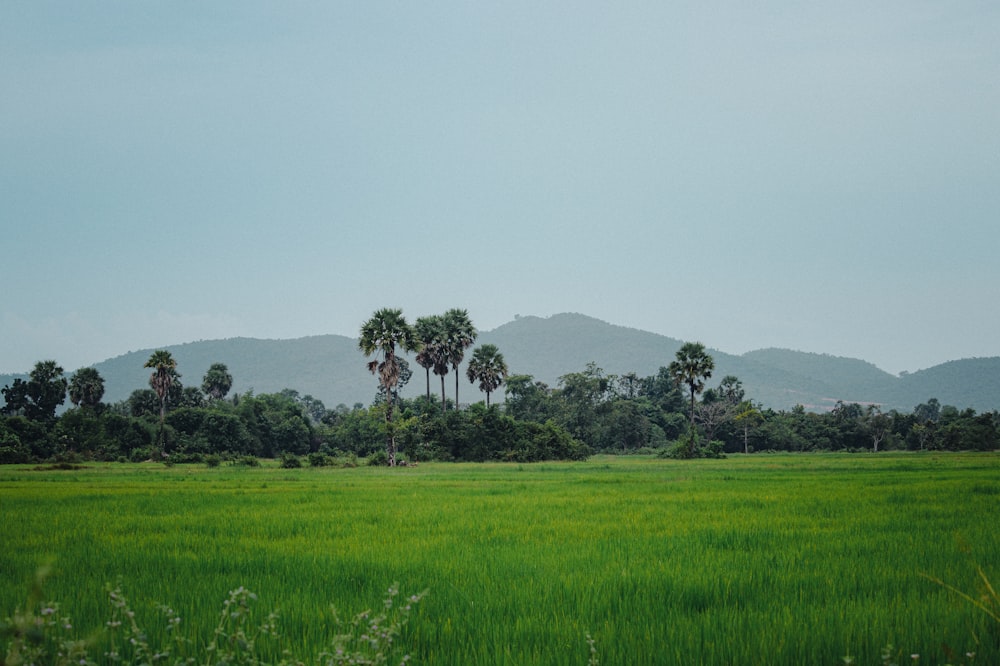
(816, 176)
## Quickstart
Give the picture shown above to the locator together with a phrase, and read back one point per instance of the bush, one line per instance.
(320, 460)
(684, 449)
(11, 455)
(378, 459)
(213, 460)
(246, 461)
(181, 457)
(290, 461)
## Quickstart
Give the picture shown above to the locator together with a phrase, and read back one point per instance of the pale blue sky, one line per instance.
(817, 176)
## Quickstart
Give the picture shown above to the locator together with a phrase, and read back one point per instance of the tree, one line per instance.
(747, 415)
(15, 398)
(629, 386)
(693, 366)
(380, 336)
(527, 399)
(429, 332)
(877, 425)
(731, 390)
(404, 378)
(39, 397)
(163, 377)
(712, 414)
(86, 387)
(217, 381)
(928, 411)
(488, 368)
(584, 400)
(459, 335)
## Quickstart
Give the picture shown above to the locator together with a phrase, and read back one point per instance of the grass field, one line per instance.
(777, 559)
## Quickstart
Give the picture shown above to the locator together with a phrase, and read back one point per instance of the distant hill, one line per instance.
(331, 368)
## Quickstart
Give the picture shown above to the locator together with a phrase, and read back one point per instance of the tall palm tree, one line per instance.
(440, 356)
(487, 366)
(86, 387)
(429, 331)
(217, 381)
(164, 374)
(459, 336)
(693, 366)
(380, 336)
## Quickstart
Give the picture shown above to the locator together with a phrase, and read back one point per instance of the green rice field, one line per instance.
(762, 559)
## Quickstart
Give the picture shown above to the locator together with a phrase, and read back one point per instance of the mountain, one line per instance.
(331, 368)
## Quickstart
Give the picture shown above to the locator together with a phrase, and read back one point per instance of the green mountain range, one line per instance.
(331, 368)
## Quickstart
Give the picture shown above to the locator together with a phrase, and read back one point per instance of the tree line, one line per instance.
(674, 412)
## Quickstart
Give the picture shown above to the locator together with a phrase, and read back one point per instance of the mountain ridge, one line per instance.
(331, 368)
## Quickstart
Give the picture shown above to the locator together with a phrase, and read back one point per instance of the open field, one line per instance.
(782, 559)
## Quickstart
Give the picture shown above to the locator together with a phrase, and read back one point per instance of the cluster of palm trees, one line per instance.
(440, 342)
(216, 384)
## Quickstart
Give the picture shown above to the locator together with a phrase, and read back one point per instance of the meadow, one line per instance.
(781, 559)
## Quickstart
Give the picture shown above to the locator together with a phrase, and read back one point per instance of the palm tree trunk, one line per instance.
(428, 371)
(444, 403)
(163, 418)
(456, 387)
(390, 436)
(691, 434)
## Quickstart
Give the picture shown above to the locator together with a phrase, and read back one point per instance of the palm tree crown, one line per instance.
(164, 372)
(86, 387)
(488, 367)
(380, 336)
(217, 381)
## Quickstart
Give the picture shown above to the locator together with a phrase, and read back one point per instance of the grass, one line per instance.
(782, 559)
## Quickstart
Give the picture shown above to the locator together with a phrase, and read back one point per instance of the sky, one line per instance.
(822, 177)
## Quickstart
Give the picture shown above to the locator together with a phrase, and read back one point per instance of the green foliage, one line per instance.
(378, 459)
(38, 398)
(487, 366)
(86, 388)
(217, 381)
(42, 634)
(459, 335)
(691, 368)
(380, 337)
(372, 638)
(334, 459)
(596, 411)
(290, 461)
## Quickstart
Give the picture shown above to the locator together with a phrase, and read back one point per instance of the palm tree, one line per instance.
(217, 381)
(429, 331)
(86, 387)
(731, 390)
(380, 335)
(164, 374)
(459, 336)
(440, 356)
(692, 367)
(487, 366)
